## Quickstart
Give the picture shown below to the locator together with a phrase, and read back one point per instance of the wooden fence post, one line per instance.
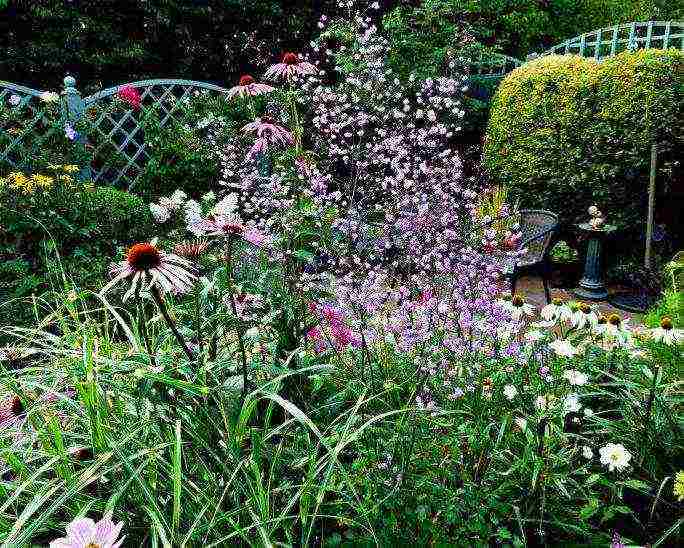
(651, 205)
(73, 110)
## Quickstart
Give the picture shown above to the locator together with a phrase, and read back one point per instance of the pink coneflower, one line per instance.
(229, 226)
(191, 250)
(85, 533)
(266, 128)
(129, 95)
(11, 412)
(268, 133)
(247, 87)
(290, 66)
(146, 264)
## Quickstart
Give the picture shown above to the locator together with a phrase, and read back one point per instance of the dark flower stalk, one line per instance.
(162, 308)
(238, 328)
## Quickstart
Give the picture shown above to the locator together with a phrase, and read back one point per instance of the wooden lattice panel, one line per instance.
(123, 128)
(610, 41)
(24, 127)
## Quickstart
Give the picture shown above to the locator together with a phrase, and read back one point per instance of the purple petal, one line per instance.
(106, 531)
(81, 531)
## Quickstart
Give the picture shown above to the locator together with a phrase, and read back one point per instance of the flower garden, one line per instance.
(292, 325)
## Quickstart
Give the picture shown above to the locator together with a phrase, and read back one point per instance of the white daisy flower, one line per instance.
(552, 311)
(667, 333)
(583, 316)
(519, 308)
(587, 453)
(615, 456)
(575, 378)
(563, 348)
(510, 391)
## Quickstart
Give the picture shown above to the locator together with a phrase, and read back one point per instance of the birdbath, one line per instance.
(591, 286)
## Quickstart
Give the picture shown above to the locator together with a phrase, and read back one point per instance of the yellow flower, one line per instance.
(70, 168)
(679, 486)
(42, 180)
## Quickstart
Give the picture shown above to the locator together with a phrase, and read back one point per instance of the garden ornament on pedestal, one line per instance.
(591, 286)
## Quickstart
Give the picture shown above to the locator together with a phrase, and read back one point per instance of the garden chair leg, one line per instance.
(545, 281)
(514, 281)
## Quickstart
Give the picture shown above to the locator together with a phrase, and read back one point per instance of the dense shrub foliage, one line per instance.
(567, 132)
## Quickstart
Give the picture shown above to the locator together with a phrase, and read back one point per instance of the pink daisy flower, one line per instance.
(85, 533)
(247, 87)
(290, 66)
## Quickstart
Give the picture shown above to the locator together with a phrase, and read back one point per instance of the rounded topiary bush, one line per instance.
(566, 132)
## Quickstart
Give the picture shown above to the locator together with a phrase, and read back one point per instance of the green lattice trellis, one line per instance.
(170, 98)
(24, 126)
(110, 125)
(610, 41)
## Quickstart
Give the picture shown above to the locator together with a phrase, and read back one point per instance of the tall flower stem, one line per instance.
(238, 328)
(172, 326)
(142, 325)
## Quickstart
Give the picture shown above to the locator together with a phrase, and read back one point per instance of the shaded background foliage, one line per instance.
(106, 42)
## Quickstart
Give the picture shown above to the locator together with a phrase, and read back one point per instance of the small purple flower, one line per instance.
(617, 541)
(70, 132)
(85, 533)
(14, 100)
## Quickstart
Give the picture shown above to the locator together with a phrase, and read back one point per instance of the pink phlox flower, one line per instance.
(290, 66)
(130, 95)
(85, 533)
(247, 87)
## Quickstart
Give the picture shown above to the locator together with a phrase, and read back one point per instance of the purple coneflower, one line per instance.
(290, 66)
(11, 411)
(268, 133)
(266, 128)
(145, 263)
(247, 87)
(191, 250)
(85, 533)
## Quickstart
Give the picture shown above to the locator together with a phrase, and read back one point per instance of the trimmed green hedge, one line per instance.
(566, 132)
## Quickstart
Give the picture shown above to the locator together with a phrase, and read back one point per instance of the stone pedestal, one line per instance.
(591, 286)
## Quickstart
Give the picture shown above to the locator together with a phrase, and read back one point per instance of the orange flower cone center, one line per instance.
(143, 257)
(290, 59)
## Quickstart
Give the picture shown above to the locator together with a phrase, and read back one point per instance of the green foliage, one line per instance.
(68, 228)
(567, 132)
(113, 41)
(422, 35)
(671, 306)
